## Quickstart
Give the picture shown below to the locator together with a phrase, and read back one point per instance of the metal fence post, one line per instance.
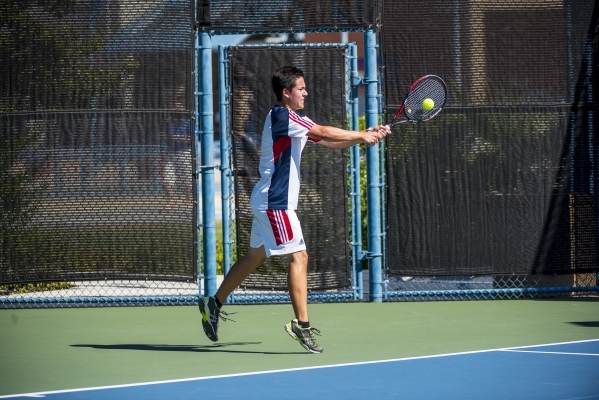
(356, 176)
(207, 164)
(373, 169)
(223, 93)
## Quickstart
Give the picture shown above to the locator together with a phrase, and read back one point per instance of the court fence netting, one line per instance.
(95, 138)
(99, 160)
(496, 197)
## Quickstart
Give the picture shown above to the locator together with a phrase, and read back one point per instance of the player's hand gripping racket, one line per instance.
(424, 100)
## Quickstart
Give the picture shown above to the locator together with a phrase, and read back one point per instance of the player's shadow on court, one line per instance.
(588, 324)
(214, 348)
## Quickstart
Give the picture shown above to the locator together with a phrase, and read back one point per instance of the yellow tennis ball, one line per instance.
(428, 104)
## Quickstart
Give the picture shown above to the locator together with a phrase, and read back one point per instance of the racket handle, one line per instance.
(392, 124)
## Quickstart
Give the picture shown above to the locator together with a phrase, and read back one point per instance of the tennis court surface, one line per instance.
(543, 349)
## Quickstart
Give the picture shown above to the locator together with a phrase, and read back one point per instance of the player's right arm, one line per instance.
(341, 138)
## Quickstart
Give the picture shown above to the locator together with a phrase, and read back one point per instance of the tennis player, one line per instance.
(276, 230)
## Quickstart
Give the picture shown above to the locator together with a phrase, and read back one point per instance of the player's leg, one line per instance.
(239, 271)
(297, 282)
(210, 307)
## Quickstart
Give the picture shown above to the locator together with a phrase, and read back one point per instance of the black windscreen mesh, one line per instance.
(504, 179)
(323, 199)
(286, 15)
(95, 161)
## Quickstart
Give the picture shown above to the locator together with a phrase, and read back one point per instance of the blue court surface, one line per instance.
(551, 371)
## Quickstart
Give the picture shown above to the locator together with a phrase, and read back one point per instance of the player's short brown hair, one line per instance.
(285, 78)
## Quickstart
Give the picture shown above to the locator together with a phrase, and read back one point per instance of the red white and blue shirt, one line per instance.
(284, 136)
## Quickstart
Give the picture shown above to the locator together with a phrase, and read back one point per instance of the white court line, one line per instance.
(550, 352)
(202, 378)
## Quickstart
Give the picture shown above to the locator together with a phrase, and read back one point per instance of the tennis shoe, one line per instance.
(210, 316)
(305, 336)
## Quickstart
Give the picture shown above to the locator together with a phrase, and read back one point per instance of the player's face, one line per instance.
(297, 95)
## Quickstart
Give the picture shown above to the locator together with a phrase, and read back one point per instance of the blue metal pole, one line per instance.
(197, 212)
(357, 203)
(207, 167)
(372, 169)
(224, 155)
(351, 169)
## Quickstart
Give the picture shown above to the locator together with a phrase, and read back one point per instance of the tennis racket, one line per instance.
(424, 100)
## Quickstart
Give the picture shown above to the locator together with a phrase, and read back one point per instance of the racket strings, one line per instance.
(426, 89)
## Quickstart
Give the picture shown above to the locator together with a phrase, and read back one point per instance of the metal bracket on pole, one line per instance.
(358, 81)
(367, 255)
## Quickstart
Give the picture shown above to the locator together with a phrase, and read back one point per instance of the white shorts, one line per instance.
(278, 230)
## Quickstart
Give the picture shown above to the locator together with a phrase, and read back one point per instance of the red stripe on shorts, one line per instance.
(281, 227)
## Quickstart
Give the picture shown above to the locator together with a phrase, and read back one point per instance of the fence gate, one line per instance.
(325, 203)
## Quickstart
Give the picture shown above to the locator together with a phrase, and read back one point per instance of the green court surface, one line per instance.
(54, 349)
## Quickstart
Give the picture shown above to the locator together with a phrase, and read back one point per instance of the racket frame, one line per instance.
(395, 121)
